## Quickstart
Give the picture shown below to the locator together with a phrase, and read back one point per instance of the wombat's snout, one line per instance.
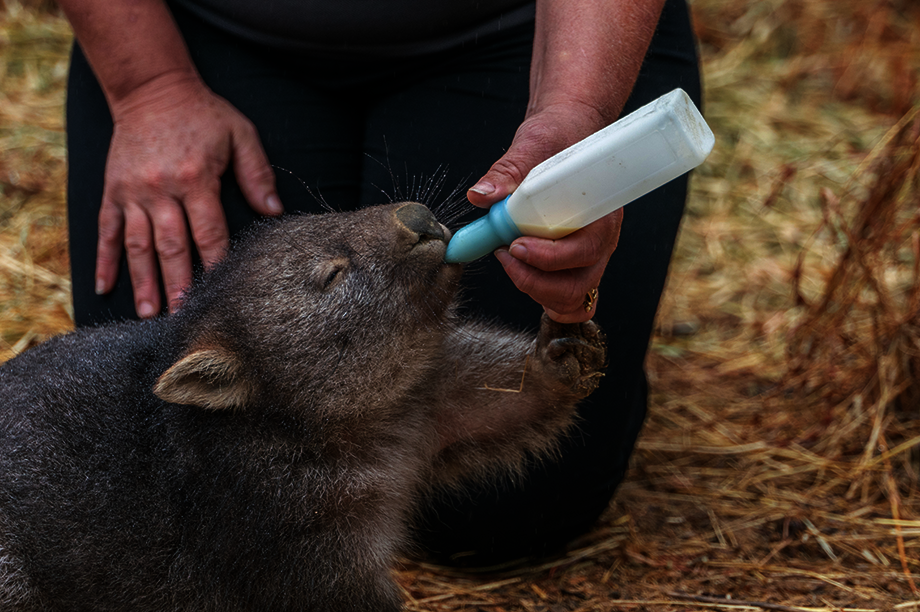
(422, 223)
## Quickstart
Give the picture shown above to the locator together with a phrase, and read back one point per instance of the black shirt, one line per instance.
(363, 27)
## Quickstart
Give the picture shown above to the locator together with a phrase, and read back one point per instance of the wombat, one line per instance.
(263, 447)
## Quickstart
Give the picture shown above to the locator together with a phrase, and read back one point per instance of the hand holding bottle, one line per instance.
(581, 186)
(555, 273)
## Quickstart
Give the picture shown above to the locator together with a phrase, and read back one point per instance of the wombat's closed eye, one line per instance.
(331, 272)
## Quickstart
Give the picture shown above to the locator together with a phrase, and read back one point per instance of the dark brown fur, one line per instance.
(262, 449)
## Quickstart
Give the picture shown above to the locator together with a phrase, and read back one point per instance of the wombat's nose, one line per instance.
(419, 220)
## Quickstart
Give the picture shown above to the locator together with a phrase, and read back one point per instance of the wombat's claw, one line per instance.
(575, 352)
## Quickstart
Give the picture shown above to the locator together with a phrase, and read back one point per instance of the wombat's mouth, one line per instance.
(442, 239)
(431, 250)
(425, 233)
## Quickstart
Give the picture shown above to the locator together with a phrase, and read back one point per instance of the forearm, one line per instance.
(586, 57)
(131, 45)
(588, 53)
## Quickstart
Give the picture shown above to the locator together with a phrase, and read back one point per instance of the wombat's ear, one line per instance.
(210, 378)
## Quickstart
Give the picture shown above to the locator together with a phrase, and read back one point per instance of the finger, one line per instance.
(109, 246)
(533, 142)
(502, 179)
(142, 263)
(561, 292)
(585, 313)
(208, 225)
(583, 248)
(253, 171)
(173, 249)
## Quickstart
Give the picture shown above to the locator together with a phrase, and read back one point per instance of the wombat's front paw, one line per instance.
(574, 353)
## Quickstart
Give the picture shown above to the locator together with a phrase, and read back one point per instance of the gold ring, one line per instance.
(590, 298)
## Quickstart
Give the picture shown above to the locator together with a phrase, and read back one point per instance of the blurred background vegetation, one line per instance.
(781, 459)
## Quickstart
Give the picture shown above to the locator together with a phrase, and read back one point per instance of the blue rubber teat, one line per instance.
(483, 235)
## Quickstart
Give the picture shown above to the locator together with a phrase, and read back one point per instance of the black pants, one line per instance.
(360, 132)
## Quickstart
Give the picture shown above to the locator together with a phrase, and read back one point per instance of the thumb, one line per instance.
(535, 140)
(542, 135)
(502, 178)
(253, 172)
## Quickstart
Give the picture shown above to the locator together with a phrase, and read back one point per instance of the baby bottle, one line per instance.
(594, 177)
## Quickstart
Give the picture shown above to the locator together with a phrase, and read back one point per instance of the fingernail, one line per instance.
(518, 251)
(483, 188)
(273, 203)
(145, 310)
(100, 286)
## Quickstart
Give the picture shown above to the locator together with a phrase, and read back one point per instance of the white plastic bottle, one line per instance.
(594, 177)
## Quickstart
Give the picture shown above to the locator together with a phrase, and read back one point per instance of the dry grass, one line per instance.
(779, 467)
(34, 268)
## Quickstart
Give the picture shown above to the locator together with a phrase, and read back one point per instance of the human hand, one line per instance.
(561, 274)
(558, 274)
(173, 139)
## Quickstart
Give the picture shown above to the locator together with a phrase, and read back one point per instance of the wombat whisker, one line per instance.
(397, 194)
(387, 196)
(421, 188)
(318, 198)
(432, 187)
(452, 208)
(412, 185)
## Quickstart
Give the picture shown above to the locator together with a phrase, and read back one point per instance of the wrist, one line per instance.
(134, 48)
(589, 53)
(561, 123)
(170, 89)
(571, 111)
